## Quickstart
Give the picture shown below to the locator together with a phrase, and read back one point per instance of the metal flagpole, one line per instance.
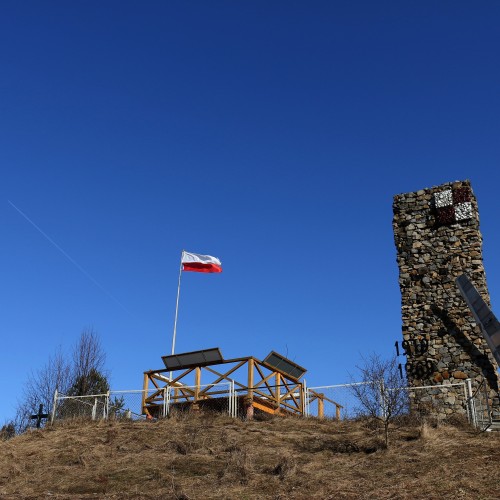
(176, 309)
(177, 306)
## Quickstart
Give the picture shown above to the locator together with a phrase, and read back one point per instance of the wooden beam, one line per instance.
(250, 377)
(155, 383)
(324, 398)
(152, 397)
(197, 383)
(264, 379)
(284, 404)
(158, 377)
(277, 389)
(321, 407)
(262, 382)
(290, 407)
(263, 394)
(144, 392)
(290, 392)
(187, 372)
(265, 408)
(224, 376)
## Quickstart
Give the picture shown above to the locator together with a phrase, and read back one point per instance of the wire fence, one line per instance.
(126, 404)
(333, 401)
(483, 409)
(112, 405)
(140, 405)
(439, 400)
(338, 402)
(92, 406)
(343, 401)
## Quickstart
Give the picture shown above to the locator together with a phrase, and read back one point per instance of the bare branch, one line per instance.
(84, 375)
(88, 354)
(380, 393)
(40, 387)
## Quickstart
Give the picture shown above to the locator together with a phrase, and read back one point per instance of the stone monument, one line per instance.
(436, 232)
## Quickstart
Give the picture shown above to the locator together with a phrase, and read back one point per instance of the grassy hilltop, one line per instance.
(209, 456)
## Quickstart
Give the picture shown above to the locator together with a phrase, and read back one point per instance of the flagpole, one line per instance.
(177, 305)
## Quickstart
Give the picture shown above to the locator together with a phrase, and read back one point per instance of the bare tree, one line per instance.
(40, 388)
(80, 375)
(380, 393)
(88, 365)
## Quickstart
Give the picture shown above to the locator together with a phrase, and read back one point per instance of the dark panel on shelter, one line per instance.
(192, 359)
(284, 365)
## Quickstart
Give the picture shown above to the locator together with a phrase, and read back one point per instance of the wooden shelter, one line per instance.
(195, 381)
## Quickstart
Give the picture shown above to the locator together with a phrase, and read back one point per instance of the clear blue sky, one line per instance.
(272, 135)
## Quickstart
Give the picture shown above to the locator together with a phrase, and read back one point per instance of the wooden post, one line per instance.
(195, 407)
(144, 393)
(321, 406)
(197, 383)
(337, 412)
(249, 398)
(278, 392)
(250, 377)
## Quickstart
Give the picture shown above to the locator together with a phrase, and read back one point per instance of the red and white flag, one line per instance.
(200, 263)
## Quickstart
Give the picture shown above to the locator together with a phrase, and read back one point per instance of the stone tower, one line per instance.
(437, 237)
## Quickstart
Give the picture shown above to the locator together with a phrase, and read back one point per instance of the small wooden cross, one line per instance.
(38, 416)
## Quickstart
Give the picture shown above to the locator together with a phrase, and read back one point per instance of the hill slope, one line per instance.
(203, 457)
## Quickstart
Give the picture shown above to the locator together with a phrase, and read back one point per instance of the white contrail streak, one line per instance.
(73, 261)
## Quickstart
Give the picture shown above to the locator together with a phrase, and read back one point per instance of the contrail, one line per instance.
(73, 261)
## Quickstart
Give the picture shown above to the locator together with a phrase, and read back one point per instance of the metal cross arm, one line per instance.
(39, 416)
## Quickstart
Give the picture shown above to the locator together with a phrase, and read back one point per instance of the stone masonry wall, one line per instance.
(437, 237)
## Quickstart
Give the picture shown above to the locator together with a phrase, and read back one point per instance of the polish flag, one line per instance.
(200, 263)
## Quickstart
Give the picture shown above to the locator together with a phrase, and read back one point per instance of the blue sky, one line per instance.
(272, 135)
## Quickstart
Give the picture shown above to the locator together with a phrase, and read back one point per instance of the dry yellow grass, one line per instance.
(208, 457)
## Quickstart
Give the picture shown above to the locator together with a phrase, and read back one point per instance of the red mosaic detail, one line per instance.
(462, 195)
(445, 215)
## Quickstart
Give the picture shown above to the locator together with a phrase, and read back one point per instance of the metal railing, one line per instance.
(341, 401)
(479, 408)
(129, 404)
(330, 401)
(220, 398)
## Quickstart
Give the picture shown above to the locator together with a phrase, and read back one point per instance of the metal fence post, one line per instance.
(486, 400)
(54, 404)
(305, 403)
(469, 401)
(94, 409)
(106, 408)
(235, 400)
(166, 400)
